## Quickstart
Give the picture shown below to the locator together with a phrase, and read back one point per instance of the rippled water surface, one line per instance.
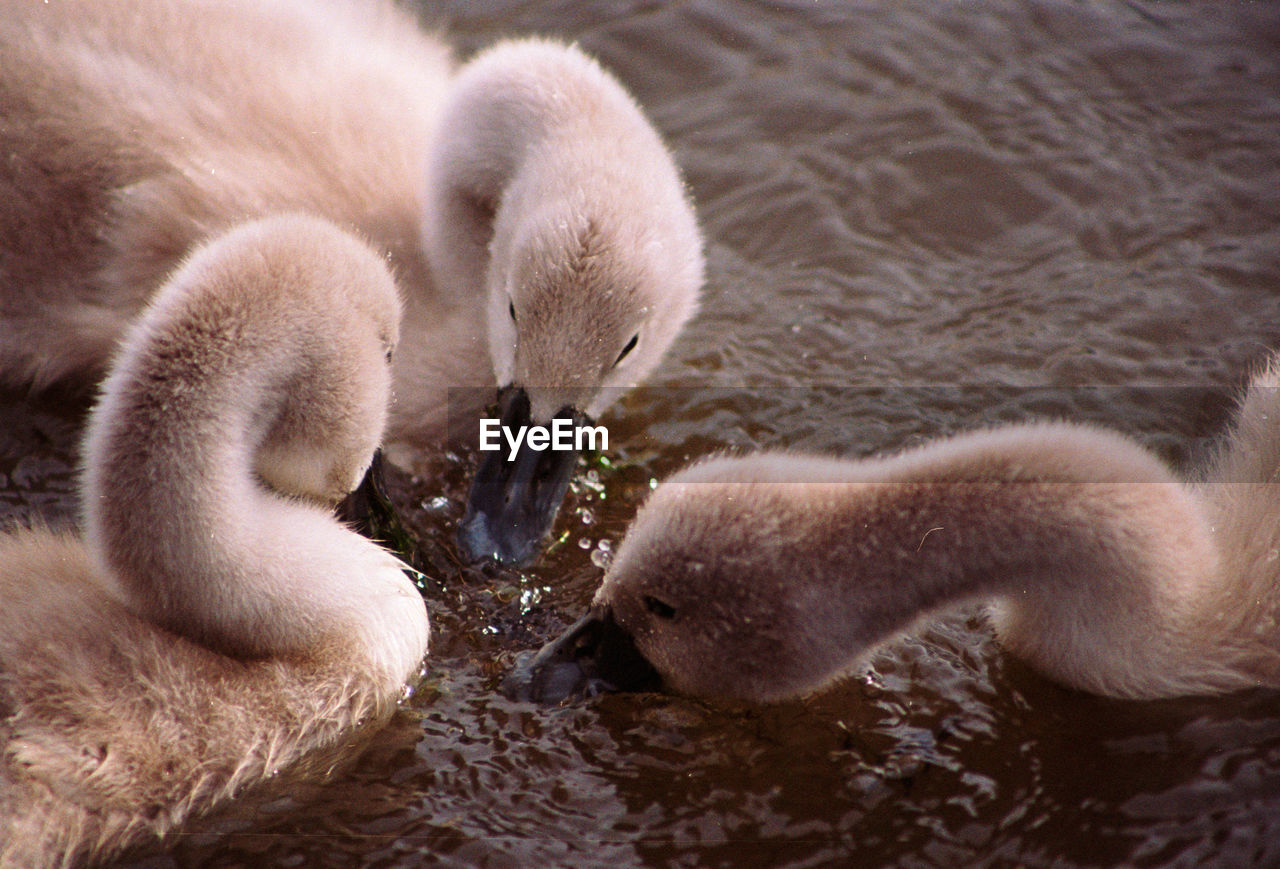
(920, 217)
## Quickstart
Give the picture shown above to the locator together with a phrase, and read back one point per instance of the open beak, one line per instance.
(594, 656)
(513, 501)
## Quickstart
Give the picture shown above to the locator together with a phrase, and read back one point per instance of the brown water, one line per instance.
(921, 217)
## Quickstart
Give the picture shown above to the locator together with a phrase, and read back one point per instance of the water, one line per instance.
(921, 217)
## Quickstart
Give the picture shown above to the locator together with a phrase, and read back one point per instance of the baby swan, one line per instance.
(768, 577)
(208, 631)
(552, 198)
(534, 219)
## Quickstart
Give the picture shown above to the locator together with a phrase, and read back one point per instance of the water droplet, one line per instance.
(602, 556)
(872, 684)
(528, 598)
(585, 543)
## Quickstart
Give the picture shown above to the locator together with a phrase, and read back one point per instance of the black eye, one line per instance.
(631, 345)
(390, 353)
(511, 309)
(659, 608)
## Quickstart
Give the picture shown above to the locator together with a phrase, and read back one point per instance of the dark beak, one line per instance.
(370, 512)
(361, 508)
(594, 656)
(513, 502)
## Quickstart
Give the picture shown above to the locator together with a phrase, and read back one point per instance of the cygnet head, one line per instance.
(586, 295)
(704, 597)
(699, 575)
(584, 300)
(320, 444)
(768, 577)
(273, 285)
(265, 357)
(569, 211)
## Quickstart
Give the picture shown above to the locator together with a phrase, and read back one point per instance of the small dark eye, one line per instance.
(631, 345)
(659, 608)
(390, 353)
(511, 309)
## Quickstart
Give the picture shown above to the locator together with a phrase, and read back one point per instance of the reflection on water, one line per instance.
(921, 217)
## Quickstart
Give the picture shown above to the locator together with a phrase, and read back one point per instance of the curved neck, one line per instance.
(1097, 561)
(266, 338)
(170, 499)
(509, 110)
(1095, 558)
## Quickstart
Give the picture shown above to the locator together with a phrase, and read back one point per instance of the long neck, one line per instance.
(1097, 561)
(168, 487)
(510, 112)
(501, 108)
(195, 543)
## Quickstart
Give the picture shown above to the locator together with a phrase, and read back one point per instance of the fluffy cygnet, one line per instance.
(768, 577)
(535, 221)
(207, 631)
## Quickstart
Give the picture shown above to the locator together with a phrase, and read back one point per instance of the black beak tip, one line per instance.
(595, 656)
(481, 539)
(548, 684)
(514, 499)
(361, 508)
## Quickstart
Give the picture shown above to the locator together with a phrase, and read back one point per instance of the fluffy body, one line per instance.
(769, 576)
(135, 129)
(208, 631)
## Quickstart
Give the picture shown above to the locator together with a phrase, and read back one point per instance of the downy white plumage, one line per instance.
(208, 630)
(769, 576)
(535, 221)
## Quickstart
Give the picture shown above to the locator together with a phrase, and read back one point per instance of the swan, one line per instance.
(536, 222)
(207, 631)
(767, 577)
